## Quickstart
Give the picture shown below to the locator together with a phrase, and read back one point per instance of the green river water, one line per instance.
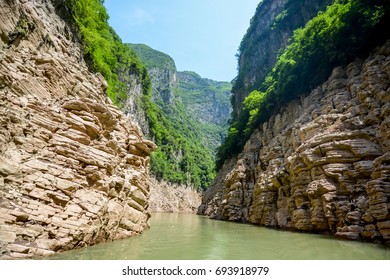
(188, 236)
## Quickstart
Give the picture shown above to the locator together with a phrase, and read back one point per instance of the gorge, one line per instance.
(97, 135)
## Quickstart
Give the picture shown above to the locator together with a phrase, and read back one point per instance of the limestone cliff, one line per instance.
(162, 72)
(269, 33)
(207, 102)
(168, 197)
(321, 164)
(187, 116)
(73, 168)
(133, 106)
(205, 99)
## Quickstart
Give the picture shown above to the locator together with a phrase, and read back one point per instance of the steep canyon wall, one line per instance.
(322, 164)
(73, 168)
(271, 28)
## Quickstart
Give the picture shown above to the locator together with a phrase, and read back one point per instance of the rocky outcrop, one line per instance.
(73, 169)
(321, 164)
(133, 106)
(172, 198)
(162, 72)
(271, 28)
(206, 100)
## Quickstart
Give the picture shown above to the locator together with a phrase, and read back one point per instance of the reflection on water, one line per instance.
(187, 236)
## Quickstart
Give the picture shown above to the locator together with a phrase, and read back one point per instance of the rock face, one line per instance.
(207, 100)
(188, 117)
(320, 165)
(271, 28)
(133, 107)
(73, 169)
(172, 198)
(162, 72)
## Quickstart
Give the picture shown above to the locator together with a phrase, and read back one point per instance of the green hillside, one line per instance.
(187, 117)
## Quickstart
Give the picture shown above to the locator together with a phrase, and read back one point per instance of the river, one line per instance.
(188, 236)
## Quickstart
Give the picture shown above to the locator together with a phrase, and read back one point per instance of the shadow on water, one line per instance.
(188, 236)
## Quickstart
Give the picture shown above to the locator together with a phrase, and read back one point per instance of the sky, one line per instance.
(200, 35)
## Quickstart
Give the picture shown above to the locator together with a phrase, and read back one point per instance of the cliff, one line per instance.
(162, 72)
(73, 168)
(271, 28)
(187, 119)
(321, 164)
(207, 102)
(166, 197)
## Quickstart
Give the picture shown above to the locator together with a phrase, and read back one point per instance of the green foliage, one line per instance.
(181, 156)
(347, 29)
(23, 28)
(254, 61)
(103, 49)
(186, 149)
(201, 97)
(153, 58)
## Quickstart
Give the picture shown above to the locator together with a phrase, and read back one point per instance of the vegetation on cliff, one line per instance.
(186, 142)
(269, 32)
(347, 29)
(183, 156)
(104, 51)
(208, 103)
(153, 58)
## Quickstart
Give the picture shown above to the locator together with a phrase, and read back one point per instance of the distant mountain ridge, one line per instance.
(191, 119)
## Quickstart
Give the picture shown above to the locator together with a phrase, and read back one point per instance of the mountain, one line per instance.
(191, 119)
(310, 148)
(162, 72)
(268, 35)
(208, 103)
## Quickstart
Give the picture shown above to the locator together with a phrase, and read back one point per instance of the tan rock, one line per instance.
(320, 164)
(63, 145)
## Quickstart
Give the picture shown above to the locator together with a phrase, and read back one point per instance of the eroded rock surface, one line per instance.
(73, 169)
(172, 198)
(322, 164)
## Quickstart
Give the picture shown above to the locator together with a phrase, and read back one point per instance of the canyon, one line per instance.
(81, 164)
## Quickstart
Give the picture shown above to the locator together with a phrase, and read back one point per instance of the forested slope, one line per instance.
(188, 117)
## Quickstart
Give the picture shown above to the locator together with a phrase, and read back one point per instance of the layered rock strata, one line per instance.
(322, 164)
(172, 198)
(73, 169)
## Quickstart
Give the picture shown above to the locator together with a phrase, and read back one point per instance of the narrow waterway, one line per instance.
(187, 236)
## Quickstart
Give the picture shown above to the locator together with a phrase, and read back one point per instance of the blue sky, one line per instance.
(200, 35)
